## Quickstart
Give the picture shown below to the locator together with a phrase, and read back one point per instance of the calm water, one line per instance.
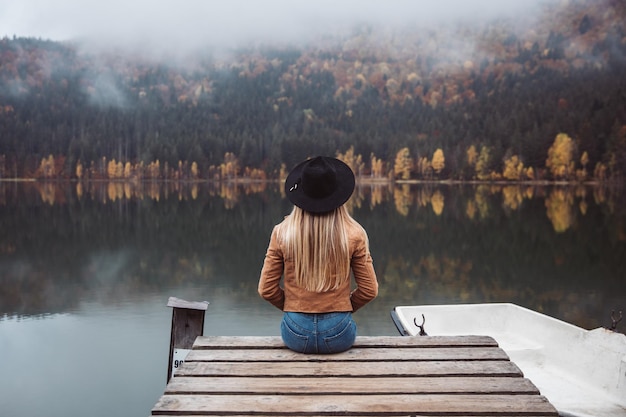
(86, 271)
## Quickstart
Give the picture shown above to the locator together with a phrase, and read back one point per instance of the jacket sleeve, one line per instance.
(273, 266)
(364, 275)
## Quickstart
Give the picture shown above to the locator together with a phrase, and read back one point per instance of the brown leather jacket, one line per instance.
(289, 297)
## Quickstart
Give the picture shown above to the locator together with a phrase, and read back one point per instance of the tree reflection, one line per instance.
(559, 206)
(431, 243)
(561, 203)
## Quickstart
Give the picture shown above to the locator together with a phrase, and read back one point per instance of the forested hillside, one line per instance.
(539, 100)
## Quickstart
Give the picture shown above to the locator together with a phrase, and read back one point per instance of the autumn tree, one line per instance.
(403, 164)
(560, 160)
(377, 167)
(355, 162)
(47, 167)
(115, 170)
(472, 155)
(128, 170)
(513, 168)
(79, 170)
(581, 174)
(230, 167)
(482, 163)
(439, 161)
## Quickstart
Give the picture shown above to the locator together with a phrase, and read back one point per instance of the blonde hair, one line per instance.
(319, 247)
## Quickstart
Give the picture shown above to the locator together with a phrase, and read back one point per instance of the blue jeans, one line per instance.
(318, 333)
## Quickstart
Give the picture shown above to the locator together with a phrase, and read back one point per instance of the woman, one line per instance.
(314, 249)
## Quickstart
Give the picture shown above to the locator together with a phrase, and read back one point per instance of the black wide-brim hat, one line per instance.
(320, 184)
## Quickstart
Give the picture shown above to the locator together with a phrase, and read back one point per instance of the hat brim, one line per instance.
(345, 188)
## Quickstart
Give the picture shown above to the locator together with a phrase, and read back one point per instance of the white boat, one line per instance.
(581, 372)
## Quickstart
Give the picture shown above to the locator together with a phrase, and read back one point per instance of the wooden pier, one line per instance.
(379, 376)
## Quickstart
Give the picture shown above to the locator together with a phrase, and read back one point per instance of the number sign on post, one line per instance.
(187, 324)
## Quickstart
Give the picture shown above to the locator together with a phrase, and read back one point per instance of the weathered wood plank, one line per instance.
(354, 354)
(356, 369)
(357, 415)
(379, 376)
(349, 386)
(193, 305)
(495, 405)
(275, 342)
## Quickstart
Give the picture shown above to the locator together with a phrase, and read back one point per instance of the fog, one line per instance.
(172, 25)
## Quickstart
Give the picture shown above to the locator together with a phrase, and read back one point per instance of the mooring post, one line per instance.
(187, 324)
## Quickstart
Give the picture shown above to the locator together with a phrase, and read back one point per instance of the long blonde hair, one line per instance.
(319, 247)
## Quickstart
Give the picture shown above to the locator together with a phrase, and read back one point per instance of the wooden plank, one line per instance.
(356, 369)
(354, 354)
(379, 376)
(362, 415)
(275, 342)
(193, 305)
(495, 405)
(350, 386)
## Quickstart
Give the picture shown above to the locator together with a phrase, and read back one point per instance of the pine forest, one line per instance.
(519, 101)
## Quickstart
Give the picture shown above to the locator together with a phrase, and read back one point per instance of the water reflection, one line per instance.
(86, 270)
(561, 202)
(555, 249)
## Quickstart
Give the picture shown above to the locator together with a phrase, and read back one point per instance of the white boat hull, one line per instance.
(581, 372)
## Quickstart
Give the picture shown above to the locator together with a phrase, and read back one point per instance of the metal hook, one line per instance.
(421, 327)
(615, 320)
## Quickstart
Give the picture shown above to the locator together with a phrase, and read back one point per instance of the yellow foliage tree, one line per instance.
(584, 159)
(439, 161)
(403, 164)
(482, 164)
(230, 167)
(128, 169)
(79, 170)
(115, 169)
(472, 156)
(560, 157)
(377, 167)
(513, 168)
(355, 162)
(47, 167)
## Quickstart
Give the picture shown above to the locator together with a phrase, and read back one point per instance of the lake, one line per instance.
(86, 271)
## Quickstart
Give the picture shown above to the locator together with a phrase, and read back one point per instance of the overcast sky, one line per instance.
(228, 22)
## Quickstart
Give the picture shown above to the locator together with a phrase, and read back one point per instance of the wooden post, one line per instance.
(187, 324)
